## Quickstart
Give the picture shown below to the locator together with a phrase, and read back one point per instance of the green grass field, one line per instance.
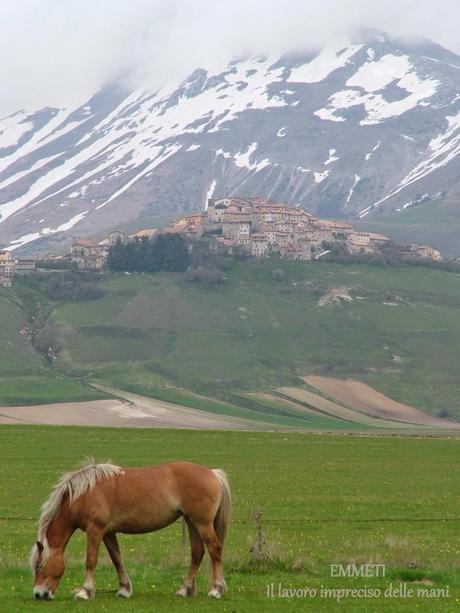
(253, 333)
(325, 500)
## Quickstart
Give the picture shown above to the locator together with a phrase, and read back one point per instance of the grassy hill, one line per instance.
(153, 334)
(24, 376)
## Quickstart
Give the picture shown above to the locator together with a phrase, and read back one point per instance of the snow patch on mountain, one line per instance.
(376, 75)
(320, 176)
(28, 238)
(377, 108)
(242, 159)
(331, 58)
(332, 157)
(210, 193)
(368, 156)
(352, 189)
(11, 130)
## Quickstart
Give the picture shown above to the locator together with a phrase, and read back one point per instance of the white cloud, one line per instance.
(58, 52)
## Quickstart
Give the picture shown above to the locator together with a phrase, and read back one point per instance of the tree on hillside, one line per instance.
(116, 259)
(167, 252)
(170, 253)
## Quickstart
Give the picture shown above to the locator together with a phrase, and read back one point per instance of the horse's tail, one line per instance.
(222, 518)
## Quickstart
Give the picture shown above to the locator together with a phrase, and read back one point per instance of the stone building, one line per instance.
(25, 266)
(7, 268)
(88, 254)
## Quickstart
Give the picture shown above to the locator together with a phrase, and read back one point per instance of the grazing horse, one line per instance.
(103, 499)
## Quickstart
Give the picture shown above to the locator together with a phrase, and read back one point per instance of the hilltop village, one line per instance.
(259, 228)
(255, 226)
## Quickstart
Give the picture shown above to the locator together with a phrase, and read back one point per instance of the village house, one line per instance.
(25, 266)
(417, 251)
(88, 254)
(7, 268)
(259, 245)
(117, 236)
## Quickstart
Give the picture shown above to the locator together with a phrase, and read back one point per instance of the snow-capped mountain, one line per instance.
(365, 125)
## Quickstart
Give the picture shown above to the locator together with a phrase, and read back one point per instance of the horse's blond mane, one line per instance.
(73, 484)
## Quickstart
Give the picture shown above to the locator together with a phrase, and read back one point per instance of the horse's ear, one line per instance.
(39, 546)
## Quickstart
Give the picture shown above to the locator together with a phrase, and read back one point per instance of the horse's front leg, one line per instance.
(94, 536)
(126, 587)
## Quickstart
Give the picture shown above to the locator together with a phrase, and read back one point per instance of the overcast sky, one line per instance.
(59, 52)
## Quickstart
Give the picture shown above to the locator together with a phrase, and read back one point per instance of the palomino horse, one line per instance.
(103, 499)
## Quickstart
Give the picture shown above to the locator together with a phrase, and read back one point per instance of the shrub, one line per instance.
(278, 275)
(72, 286)
(204, 276)
(240, 253)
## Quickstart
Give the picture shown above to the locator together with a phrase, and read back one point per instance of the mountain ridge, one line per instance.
(368, 124)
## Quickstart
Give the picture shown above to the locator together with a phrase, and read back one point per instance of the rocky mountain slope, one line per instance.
(366, 125)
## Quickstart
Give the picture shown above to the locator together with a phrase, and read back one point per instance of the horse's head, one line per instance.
(48, 567)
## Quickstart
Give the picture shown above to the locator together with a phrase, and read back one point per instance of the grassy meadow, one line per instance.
(325, 500)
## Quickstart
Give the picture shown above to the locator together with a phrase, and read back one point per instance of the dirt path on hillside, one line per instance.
(361, 397)
(129, 411)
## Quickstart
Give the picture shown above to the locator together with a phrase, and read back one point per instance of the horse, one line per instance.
(103, 499)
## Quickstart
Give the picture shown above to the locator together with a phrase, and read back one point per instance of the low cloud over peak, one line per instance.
(59, 53)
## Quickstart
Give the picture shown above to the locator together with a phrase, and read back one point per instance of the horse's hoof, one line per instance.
(215, 593)
(84, 594)
(126, 591)
(123, 592)
(186, 591)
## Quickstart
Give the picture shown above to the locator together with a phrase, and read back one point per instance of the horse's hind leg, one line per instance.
(197, 553)
(214, 548)
(93, 537)
(111, 543)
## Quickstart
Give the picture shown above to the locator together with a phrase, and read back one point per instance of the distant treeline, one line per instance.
(166, 252)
